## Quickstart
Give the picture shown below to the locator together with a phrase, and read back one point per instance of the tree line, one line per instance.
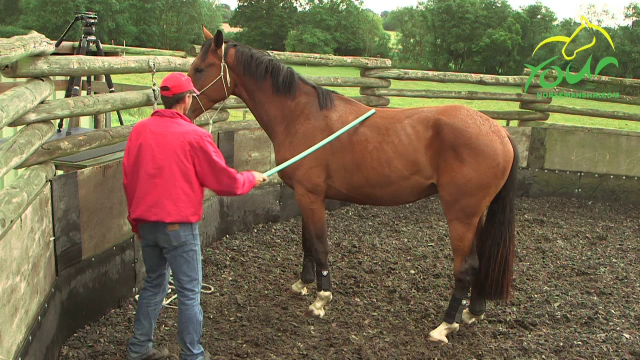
(489, 36)
(480, 36)
(162, 24)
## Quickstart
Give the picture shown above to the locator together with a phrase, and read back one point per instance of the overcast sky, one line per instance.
(562, 8)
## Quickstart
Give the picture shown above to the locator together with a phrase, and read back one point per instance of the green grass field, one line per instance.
(145, 79)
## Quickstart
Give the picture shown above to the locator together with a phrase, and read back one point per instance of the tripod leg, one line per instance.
(82, 50)
(108, 78)
(70, 86)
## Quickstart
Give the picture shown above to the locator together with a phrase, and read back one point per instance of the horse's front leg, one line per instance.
(314, 235)
(308, 274)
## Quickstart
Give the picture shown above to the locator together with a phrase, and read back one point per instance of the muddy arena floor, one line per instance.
(577, 290)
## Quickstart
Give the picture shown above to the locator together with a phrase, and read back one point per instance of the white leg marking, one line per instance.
(441, 332)
(317, 308)
(299, 287)
(469, 318)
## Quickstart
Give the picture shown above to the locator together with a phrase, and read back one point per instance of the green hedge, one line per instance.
(7, 31)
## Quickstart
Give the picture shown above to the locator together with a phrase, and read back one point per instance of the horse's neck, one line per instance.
(277, 114)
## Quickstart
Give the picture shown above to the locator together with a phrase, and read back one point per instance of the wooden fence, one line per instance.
(30, 108)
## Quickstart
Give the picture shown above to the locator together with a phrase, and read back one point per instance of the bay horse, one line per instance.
(395, 157)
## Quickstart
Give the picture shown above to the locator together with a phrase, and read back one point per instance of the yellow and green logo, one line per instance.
(586, 69)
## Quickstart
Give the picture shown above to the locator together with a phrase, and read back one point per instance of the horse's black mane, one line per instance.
(258, 64)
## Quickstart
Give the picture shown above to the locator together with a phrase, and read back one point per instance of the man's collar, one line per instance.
(171, 113)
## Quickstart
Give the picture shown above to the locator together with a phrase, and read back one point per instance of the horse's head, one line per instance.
(210, 74)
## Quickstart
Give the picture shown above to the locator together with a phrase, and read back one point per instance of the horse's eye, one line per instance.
(199, 70)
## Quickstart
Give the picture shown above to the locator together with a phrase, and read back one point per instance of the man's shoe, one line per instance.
(155, 354)
(207, 356)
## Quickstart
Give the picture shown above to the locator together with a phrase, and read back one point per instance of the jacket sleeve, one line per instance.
(125, 184)
(213, 172)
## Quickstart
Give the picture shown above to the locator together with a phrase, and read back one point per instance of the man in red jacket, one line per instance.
(168, 161)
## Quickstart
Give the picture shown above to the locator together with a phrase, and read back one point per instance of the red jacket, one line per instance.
(168, 161)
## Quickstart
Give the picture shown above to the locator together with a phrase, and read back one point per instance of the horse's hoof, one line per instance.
(300, 288)
(469, 318)
(317, 308)
(441, 332)
(314, 313)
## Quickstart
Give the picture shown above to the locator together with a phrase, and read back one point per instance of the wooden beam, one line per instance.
(607, 114)
(516, 115)
(86, 106)
(552, 75)
(373, 101)
(622, 99)
(24, 143)
(21, 99)
(95, 139)
(93, 65)
(237, 103)
(22, 46)
(293, 58)
(465, 95)
(69, 47)
(445, 77)
(349, 81)
(20, 193)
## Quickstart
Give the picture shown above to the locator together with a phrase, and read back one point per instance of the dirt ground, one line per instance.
(577, 291)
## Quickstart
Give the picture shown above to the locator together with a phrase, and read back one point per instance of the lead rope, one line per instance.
(154, 87)
(166, 301)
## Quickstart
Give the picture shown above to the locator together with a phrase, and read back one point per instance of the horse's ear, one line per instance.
(218, 39)
(206, 33)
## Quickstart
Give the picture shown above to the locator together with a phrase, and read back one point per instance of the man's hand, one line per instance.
(260, 177)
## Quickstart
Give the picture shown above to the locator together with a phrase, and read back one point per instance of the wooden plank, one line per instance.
(22, 46)
(516, 115)
(608, 114)
(253, 150)
(589, 150)
(66, 220)
(293, 58)
(80, 296)
(24, 143)
(349, 81)
(27, 264)
(582, 94)
(94, 65)
(73, 144)
(16, 197)
(552, 75)
(102, 208)
(236, 103)
(19, 100)
(466, 95)
(446, 77)
(69, 47)
(85, 106)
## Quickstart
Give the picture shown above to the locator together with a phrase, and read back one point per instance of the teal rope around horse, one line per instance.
(320, 144)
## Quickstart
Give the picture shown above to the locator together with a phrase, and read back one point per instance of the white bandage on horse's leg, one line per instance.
(300, 288)
(469, 318)
(441, 332)
(317, 308)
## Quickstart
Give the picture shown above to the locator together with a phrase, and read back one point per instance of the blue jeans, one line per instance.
(176, 246)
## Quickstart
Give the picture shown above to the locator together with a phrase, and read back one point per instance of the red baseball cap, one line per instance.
(176, 83)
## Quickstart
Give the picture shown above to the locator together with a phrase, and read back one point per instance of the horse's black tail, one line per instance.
(496, 243)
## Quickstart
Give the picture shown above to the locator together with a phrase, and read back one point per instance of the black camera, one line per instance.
(89, 19)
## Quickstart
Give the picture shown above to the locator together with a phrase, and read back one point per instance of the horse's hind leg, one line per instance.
(308, 273)
(463, 230)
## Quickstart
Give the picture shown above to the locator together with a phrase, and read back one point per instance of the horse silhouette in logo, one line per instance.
(584, 23)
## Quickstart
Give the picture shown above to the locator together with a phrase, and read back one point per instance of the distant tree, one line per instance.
(265, 23)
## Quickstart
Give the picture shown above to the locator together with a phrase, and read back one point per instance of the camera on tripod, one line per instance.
(89, 21)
